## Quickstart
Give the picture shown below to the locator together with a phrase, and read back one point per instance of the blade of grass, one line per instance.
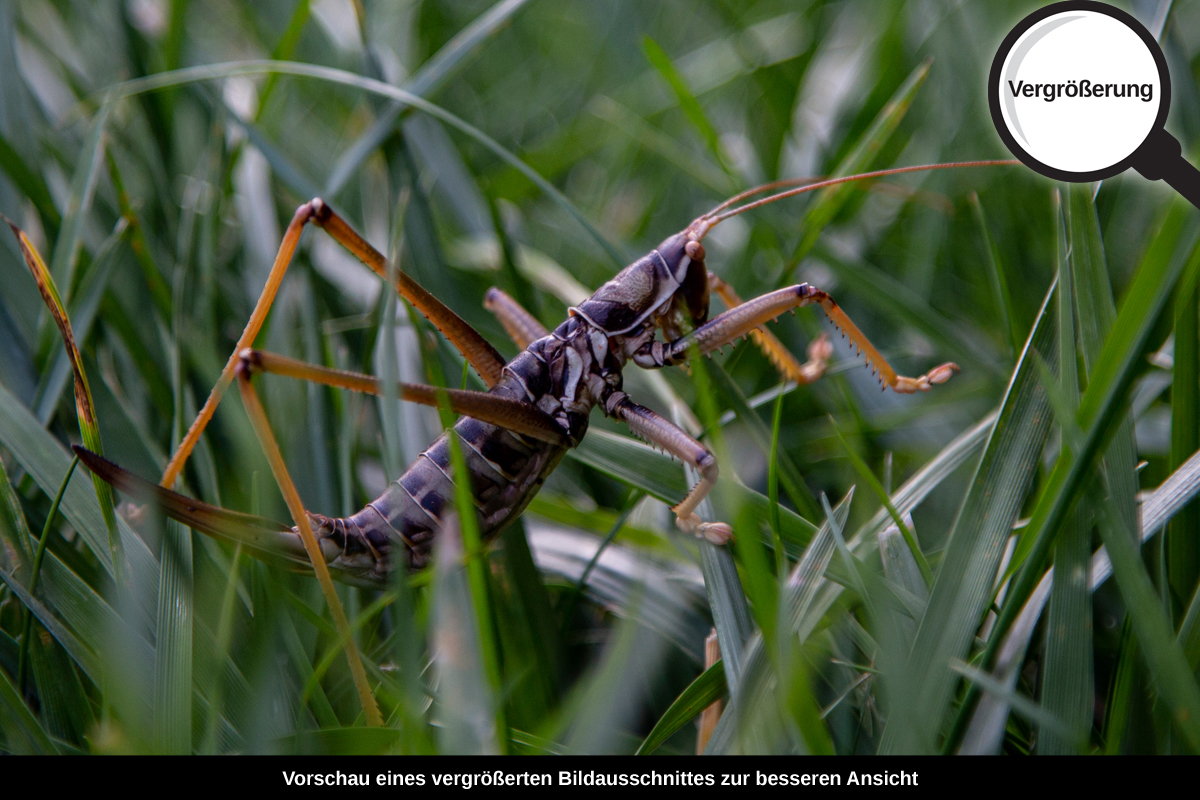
(173, 643)
(962, 588)
(568, 604)
(23, 732)
(727, 599)
(1067, 690)
(1159, 647)
(469, 709)
(80, 654)
(987, 725)
(860, 159)
(1102, 402)
(233, 69)
(865, 473)
(426, 81)
(31, 184)
(707, 689)
(14, 529)
(477, 579)
(773, 489)
(79, 203)
(687, 101)
(84, 406)
(757, 677)
(1183, 551)
(35, 572)
(82, 313)
(793, 483)
(996, 274)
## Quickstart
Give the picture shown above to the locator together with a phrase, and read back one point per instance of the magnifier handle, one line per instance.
(1161, 158)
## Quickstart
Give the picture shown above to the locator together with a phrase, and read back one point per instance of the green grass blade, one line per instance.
(89, 430)
(864, 472)
(78, 652)
(173, 650)
(1159, 647)
(82, 314)
(659, 59)
(707, 689)
(793, 483)
(79, 203)
(996, 274)
(467, 707)
(30, 183)
(1110, 381)
(64, 703)
(1096, 314)
(963, 585)
(14, 529)
(427, 80)
(23, 732)
(233, 69)
(43, 457)
(1098, 414)
(860, 159)
(1067, 691)
(727, 598)
(1183, 550)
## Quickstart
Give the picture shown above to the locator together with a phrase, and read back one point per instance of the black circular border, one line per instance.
(998, 64)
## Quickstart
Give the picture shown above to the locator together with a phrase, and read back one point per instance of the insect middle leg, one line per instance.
(494, 409)
(676, 441)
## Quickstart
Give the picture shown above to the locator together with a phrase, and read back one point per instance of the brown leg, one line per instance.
(478, 351)
(262, 429)
(522, 327)
(283, 258)
(741, 320)
(673, 439)
(504, 412)
(819, 350)
(482, 356)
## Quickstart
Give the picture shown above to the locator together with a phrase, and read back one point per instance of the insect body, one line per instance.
(515, 434)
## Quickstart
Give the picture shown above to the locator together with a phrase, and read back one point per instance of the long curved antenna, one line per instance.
(703, 224)
(766, 187)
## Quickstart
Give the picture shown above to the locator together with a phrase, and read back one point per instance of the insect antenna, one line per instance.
(802, 185)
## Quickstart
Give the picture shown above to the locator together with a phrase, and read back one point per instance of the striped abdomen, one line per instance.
(505, 474)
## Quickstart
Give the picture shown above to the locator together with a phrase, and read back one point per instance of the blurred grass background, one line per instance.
(158, 205)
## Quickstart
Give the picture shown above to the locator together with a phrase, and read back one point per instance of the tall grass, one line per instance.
(909, 574)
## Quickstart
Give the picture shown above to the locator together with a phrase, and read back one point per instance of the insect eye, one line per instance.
(695, 251)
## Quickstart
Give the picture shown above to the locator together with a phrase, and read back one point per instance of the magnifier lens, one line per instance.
(1080, 91)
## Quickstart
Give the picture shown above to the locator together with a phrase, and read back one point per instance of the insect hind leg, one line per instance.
(477, 350)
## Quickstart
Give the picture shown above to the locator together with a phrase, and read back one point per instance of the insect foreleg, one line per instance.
(741, 320)
(494, 409)
(670, 437)
(522, 327)
(819, 350)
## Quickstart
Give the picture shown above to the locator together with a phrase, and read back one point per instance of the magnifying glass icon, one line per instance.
(1079, 91)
